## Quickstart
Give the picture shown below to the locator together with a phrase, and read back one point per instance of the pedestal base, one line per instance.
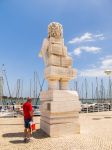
(60, 112)
(61, 129)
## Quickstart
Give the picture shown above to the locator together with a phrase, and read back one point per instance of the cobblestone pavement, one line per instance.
(96, 134)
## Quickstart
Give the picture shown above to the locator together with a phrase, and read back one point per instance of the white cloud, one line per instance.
(77, 51)
(86, 37)
(92, 49)
(100, 36)
(105, 64)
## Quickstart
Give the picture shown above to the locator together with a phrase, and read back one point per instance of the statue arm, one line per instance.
(44, 49)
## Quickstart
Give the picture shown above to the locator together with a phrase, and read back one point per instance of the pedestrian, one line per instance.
(28, 117)
(13, 107)
(7, 105)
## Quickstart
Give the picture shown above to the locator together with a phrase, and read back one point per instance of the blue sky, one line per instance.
(23, 26)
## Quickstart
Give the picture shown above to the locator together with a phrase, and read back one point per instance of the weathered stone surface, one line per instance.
(60, 111)
(60, 120)
(53, 85)
(58, 95)
(54, 60)
(48, 114)
(56, 130)
(56, 48)
(54, 72)
(66, 61)
(61, 106)
(54, 53)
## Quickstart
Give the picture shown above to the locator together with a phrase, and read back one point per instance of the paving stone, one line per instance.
(95, 135)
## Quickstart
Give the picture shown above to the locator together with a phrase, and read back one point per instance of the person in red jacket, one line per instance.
(28, 117)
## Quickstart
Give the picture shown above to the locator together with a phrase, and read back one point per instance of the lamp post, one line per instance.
(108, 72)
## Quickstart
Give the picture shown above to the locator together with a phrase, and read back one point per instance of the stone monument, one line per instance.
(59, 106)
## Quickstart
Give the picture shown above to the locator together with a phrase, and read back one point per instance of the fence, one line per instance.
(16, 110)
(97, 107)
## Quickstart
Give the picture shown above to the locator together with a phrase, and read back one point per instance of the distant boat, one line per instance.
(5, 113)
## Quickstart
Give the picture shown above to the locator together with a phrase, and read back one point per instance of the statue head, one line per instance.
(55, 30)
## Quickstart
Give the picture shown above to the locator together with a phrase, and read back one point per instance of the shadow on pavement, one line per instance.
(17, 134)
(9, 124)
(39, 134)
(17, 142)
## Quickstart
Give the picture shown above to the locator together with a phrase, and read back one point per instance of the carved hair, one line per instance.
(55, 30)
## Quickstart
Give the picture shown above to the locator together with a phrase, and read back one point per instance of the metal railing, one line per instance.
(16, 110)
(10, 110)
(97, 107)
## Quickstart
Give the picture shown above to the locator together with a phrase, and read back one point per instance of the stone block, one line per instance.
(53, 84)
(66, 61)
(48, 114)
(54, 72)
(56, 49)
(56, 46)
(53, 40)
(60, 106)
(59, 95)
(56, 130)
(60, 120)
(54, 60)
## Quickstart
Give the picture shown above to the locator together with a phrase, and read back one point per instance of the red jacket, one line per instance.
(27, 108)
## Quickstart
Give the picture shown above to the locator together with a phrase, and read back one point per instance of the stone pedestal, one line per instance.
(60, 112)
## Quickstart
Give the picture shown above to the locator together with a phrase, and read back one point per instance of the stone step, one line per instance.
(59, 120)
(56, 130)
(59, 114)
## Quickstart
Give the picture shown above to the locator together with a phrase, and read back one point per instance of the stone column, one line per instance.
(63, 85)
(53, 85)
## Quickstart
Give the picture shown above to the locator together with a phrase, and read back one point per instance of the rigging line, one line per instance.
(38, 80)
(41, 86)
(4, 73)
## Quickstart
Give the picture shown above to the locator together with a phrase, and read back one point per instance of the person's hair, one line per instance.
(29, 99)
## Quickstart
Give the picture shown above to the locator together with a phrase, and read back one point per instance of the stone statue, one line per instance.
(58, 63)
(59, 106)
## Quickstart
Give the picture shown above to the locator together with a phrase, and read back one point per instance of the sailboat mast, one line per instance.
(1, 90)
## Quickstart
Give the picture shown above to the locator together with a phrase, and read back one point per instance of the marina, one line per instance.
(94, 97)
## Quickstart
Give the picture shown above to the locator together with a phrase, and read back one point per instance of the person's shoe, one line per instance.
(26, 140)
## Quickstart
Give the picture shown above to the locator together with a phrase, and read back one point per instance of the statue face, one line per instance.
(55, 30)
